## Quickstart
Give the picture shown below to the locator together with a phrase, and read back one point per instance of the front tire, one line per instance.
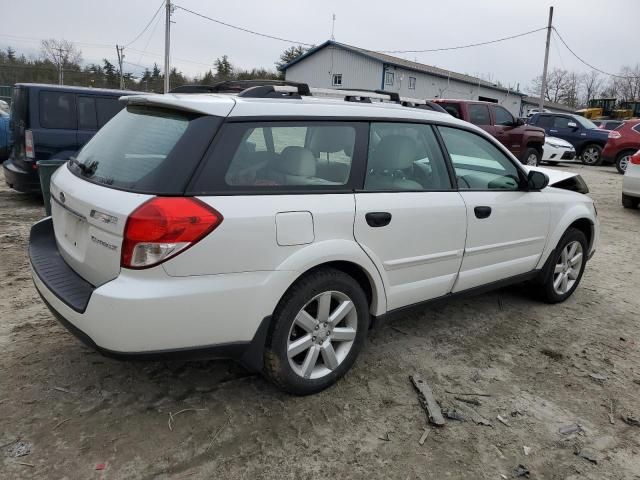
(531, 157)
(318, 330)
(592, 154)
(566, 267)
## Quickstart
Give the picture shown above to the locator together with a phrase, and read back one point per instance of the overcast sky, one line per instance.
(588, 26)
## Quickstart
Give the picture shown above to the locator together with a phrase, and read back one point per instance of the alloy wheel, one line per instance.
(322, 335)
(532, 160)
(568, 267)
(591, 155)
(624, 162)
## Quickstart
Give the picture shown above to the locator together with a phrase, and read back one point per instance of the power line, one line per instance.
(588, 64)
(242, 29)
(459, 47)
(147, 26)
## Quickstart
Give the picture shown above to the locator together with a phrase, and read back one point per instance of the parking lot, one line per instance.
(539, 367)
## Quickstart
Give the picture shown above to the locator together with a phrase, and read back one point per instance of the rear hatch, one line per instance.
(143, 152)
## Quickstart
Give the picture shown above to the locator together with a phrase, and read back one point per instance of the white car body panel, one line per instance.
(219, 290)
(631, 180)
(554, 148)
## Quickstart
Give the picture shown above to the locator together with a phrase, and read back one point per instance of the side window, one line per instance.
(87, 113)
(503, 117)
(452, 109)
(107, 109)
(337, 80)
(388, 78)
(544, 121)
(479, 165)
(280, 155)
(412, 83)
(57, 110)
(405, 156)
(561, 122)
(636, 128)
(479, 114)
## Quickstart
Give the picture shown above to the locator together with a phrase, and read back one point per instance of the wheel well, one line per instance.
(586, 227)
(623, 152)
(536, 145)
(353, 270)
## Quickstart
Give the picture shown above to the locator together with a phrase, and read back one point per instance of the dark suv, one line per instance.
(53, 122)
(582, 133)
(523, 141)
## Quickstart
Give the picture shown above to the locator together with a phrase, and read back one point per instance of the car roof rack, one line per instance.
(236, 86)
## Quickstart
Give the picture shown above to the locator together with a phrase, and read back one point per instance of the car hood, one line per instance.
(563, 179)
(558, 141)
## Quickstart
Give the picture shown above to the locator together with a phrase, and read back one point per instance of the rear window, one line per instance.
(144, 150)
(57, 110)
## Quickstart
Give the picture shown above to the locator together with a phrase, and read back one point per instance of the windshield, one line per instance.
(585, 122)
(132, 150)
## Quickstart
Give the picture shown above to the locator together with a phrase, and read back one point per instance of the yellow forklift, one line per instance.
(627, 110)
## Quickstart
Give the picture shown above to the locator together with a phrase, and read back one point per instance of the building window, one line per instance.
(337, 80)
(388, 78)
(412, 83)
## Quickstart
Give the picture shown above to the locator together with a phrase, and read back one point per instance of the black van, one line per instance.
(53, 122)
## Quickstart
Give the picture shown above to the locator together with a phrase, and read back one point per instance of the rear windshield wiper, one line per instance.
(87, 170)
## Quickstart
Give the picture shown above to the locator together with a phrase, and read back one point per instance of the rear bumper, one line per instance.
(20, 179)
(146, 314)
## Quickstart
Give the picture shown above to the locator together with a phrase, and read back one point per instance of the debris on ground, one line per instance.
(100, 466)
(424, 436)
(631, 420)
(477, 394)
(522, 471)
(19, 449)
(503, 420)
(598, 377)
(552, 354)
(453, 415)
(172, 416)
(587, 455)
(427, 401)
(569, 429)
(64, 390)
(385, 437)
(526, 450)
(471, 401)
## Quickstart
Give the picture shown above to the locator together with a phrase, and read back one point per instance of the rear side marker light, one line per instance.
(162, 227)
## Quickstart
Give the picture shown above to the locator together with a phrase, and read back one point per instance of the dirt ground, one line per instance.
(79, 415)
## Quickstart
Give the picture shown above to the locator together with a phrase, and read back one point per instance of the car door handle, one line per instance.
(378, 219)
(482, 212)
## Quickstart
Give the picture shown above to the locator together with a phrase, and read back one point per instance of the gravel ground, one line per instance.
(70, 413)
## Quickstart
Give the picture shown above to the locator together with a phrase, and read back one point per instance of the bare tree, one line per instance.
(60, 53)
(629, 86)
(557, 85)
(592, 84)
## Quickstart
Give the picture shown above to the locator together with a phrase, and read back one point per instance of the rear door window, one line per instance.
(146, 150)
(452, 109)
(479, 114)
(281, 156)
(87, 113)
(57, 110)
(107, 108)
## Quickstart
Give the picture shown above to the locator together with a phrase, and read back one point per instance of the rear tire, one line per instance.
(622, 160)
(630, 202)
(307, 351)
(592, 154)
(566, 267)
(531, 157)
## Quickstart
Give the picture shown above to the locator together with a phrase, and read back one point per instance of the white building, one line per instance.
(337, 65)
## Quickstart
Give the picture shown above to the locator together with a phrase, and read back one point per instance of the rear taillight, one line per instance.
(635, 158)
(163, 227)
(28, 144)
(614, 134)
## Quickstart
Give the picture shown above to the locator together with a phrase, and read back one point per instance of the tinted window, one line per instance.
(130, 151)
(107, 109)
(479, 165)
(562, 122)
(57, 110)
(276, 155)
(503, 117)
(479, 114)
(452, 109)
(87, 113)
(405, 156)
(544, 121)
(637, 128)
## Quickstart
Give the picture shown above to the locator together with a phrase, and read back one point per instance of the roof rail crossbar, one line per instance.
(357, 95)
(290, 90)
(237, 86)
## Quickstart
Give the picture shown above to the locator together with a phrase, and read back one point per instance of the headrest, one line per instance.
(297, 161)
(394, 152)
(332, 139)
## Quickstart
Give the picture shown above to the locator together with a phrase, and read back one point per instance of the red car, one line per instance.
(623, 142)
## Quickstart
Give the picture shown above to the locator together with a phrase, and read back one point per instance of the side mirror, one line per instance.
(573, 125)
(537, 180)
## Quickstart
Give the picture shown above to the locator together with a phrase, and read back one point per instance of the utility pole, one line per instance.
(167, 45)
(60, 66)
(333, 26)
(546, 60)
(120, 51)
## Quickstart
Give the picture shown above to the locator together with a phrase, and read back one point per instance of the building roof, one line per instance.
(558, 106)
(402, 63)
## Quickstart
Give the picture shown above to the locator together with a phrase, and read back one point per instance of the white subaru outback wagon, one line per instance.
(273, 226)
